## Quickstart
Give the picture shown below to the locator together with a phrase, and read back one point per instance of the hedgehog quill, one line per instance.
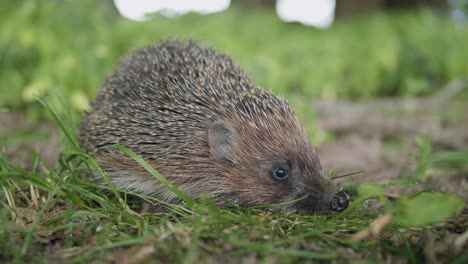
(196, 117)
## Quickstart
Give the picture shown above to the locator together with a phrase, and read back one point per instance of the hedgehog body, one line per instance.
(195, 116)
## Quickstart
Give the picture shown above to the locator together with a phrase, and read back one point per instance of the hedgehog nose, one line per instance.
(339, 202)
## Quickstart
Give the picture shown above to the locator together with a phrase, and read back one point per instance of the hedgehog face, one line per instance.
(271, 163)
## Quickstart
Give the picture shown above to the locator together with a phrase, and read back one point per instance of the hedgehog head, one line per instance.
(265, 157)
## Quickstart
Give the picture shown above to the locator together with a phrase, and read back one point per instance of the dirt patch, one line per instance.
(378, 137)
(20, 137)
(352, 153)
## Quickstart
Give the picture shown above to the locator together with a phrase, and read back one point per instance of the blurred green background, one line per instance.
(68, 47)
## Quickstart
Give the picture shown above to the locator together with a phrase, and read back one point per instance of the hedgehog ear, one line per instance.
(221, 140)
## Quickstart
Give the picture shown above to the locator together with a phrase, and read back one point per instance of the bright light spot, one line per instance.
(319, 13)
(139, 9)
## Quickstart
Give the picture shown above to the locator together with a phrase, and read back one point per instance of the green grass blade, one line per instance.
(158, 176)
(66, 131)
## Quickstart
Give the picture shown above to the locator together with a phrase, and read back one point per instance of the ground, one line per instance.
(385, 154)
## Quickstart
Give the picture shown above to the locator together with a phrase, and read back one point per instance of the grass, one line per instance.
(65, 49)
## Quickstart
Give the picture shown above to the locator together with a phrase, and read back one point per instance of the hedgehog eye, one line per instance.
(280, 173)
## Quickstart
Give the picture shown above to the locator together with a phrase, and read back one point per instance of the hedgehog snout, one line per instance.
(339, 202)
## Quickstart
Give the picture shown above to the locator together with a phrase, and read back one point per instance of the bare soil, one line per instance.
(379, 138)
(20, 138)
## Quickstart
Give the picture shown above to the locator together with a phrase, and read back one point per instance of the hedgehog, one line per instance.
(197, 118)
